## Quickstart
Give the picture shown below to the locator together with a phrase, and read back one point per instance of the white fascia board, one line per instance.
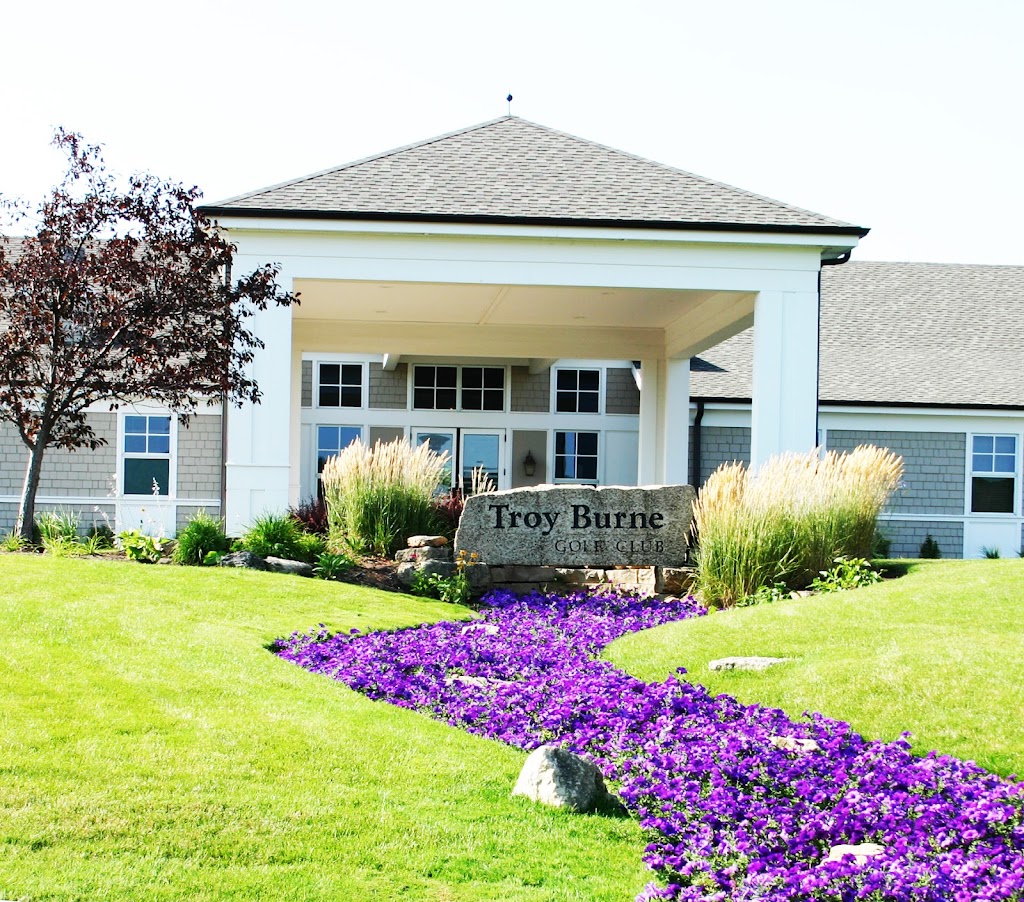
(244, 224)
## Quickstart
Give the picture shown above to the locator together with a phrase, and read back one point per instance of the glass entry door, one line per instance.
(482, 450)
(440, 441)
(469, 449)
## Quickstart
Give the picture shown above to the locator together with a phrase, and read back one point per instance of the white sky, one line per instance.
(901, 115)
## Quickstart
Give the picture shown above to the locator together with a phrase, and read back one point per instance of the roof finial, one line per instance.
(509, 99)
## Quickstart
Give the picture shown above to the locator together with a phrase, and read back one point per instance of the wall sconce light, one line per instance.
(529, 464)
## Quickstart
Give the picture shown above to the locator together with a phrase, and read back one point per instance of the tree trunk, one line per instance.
(25, 524)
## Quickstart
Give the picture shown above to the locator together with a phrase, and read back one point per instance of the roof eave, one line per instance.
(482, 219)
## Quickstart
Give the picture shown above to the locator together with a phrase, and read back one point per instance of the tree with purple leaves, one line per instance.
(118, 294)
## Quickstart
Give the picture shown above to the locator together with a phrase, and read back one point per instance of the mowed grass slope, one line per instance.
(939, 652)
(152, 748)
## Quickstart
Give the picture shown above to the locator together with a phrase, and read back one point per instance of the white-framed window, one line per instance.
(993, 474)
(146, 444)
(458, 387)
(330, 440)
(340, 385)
(576, 456)
(577, 390)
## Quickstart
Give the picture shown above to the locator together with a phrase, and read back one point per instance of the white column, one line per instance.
(258, 471)
(647, 454)
(785, 384)
(674, 422)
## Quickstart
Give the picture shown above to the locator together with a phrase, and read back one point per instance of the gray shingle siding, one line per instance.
(621, 393)
(199, 458)
(531, 392)
(389, 390)
(906, 536)
(933, 467)
(307, 383)
(722, 444)
(65, 473)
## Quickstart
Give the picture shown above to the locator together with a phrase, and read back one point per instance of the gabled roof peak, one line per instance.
(510, 169)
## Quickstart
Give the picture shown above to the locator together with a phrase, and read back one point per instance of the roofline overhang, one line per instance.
(902, 405)
(214, 211)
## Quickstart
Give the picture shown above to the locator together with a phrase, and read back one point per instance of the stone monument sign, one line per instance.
(579, 526)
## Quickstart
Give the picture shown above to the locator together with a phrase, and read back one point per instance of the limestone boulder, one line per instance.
(426, 541)
(295, 568)
(745, 663)
(557, 777)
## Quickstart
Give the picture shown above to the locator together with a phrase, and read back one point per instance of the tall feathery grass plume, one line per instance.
(789, 520)
(377, 497)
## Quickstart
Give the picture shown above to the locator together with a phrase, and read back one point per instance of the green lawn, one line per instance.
(939, 652)
(151, 748)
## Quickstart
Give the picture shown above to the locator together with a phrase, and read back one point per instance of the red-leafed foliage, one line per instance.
(120, 292)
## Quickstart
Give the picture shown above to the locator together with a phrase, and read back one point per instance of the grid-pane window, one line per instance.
(577, 391)
(483, 388)
(340, 385)
(330, 440)
(576, 456)
(993, 474)
(147, 455)
(435, 387)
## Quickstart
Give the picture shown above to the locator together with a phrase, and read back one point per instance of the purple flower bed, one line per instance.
(732, 816)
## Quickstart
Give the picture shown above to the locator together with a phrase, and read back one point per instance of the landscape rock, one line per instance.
(793, 744)
(478, 576)
(741, 663)
(245, 559)
(488, 629)
(676, 580)
(861, 852)
(557, 777)
(424, 553)
(426, 541)
(407, 572)
(574, 526)
(295, 568)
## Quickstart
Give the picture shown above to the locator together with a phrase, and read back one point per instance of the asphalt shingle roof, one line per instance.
(902, 333)
(511, 169)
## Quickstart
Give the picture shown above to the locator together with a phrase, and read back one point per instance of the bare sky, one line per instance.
(904, 115)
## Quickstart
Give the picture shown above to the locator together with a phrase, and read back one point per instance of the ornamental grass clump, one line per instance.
(377, 497)
(790, 520)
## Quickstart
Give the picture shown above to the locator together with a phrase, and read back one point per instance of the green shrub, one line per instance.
(930, 548)
(848, 573)
(13, 542)
(991, 553)
(100, 535)
(331, 566)
(790, 521)
(137, 546)
(280, 535)
(377, 497)
(202, 535)
(58, 532)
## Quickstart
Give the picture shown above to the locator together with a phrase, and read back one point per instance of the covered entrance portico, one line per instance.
(526, 296)
(500, 252)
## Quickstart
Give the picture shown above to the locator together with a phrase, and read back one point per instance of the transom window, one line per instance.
(577, 391)
(147, 455)
(483, 388)
(576, 456)
(458, 388)
(993, 474)
(330, 440)
(340, 385)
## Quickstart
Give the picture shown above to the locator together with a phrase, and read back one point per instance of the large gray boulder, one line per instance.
(557, 777)
(579, 526)
(284, 565)
(245, 559)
